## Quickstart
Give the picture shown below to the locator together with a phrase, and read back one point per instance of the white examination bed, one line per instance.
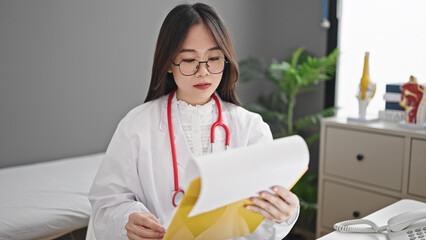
(46, 200)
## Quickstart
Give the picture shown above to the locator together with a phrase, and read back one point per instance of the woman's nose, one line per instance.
(202, 69)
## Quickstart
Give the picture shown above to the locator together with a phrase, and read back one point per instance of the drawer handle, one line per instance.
(356, 214)
(359, 157)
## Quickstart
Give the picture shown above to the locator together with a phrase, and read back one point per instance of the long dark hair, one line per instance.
(172, 34)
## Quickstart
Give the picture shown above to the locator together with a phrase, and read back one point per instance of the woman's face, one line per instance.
(200, 45)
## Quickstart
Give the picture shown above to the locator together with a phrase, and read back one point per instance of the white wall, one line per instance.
(70, 70)
(396, 46)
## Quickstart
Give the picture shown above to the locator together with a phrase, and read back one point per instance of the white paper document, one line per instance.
(236, 174)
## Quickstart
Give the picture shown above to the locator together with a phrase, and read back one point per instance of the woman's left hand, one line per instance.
(277, 208)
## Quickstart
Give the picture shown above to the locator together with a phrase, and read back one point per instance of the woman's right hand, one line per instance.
(144, 226)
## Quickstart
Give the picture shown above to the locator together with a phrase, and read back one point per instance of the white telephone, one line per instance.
(400, 227)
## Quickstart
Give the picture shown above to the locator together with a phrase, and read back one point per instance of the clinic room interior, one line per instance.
(71, 70)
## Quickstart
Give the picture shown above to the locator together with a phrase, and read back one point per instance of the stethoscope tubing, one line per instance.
(172, 140)
(219, 122)
(179, 192)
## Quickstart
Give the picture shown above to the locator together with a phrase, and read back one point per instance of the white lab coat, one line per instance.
(137, 172)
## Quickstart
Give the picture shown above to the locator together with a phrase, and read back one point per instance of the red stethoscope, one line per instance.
(178, 193)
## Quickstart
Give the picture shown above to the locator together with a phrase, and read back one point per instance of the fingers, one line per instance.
(152, 222)
(286, 195)
(144, 226)
(278, 207)
(263, 208)
(147, 220)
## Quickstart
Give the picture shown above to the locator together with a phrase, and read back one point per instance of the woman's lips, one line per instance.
(202, 86)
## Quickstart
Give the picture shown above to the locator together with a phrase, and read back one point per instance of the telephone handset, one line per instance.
(402, 226)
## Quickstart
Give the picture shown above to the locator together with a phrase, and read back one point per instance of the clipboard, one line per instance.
(220, 184)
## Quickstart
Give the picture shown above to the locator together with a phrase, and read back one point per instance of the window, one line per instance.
(394, 32)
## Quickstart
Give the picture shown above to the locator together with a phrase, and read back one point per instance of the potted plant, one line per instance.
(301, 73)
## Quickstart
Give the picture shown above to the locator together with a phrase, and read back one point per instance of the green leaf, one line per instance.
(313, 121)
(266, 114)
(295, 57)
(310, 140)
(315, 70)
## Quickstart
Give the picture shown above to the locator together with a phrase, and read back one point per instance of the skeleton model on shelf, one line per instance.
(366, 92)
(366, 89)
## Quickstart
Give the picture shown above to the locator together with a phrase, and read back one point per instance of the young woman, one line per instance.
(193, 83)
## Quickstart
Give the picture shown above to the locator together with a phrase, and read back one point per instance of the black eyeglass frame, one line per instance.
(198, 66)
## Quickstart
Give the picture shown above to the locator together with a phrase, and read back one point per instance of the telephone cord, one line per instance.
(345, 226)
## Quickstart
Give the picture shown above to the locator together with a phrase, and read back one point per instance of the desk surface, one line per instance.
(380, 218)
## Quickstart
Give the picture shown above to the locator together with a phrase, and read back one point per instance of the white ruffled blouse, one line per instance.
(196, 124)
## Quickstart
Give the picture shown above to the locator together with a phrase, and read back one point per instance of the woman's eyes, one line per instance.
(214, 58)
(189, 60)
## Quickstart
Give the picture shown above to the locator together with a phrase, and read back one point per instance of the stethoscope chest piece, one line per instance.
(177, 197)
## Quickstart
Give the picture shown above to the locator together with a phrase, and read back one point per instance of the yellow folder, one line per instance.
(229, 221)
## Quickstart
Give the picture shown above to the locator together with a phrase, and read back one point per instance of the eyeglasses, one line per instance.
(189, 67)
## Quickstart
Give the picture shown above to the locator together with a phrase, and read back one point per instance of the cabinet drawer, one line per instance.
(342, 203)
(418, 168)
(371, 158)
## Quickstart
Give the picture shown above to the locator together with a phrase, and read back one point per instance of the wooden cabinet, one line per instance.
(360, 156)
(344, 202)
(417, 180)
(365, 167)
